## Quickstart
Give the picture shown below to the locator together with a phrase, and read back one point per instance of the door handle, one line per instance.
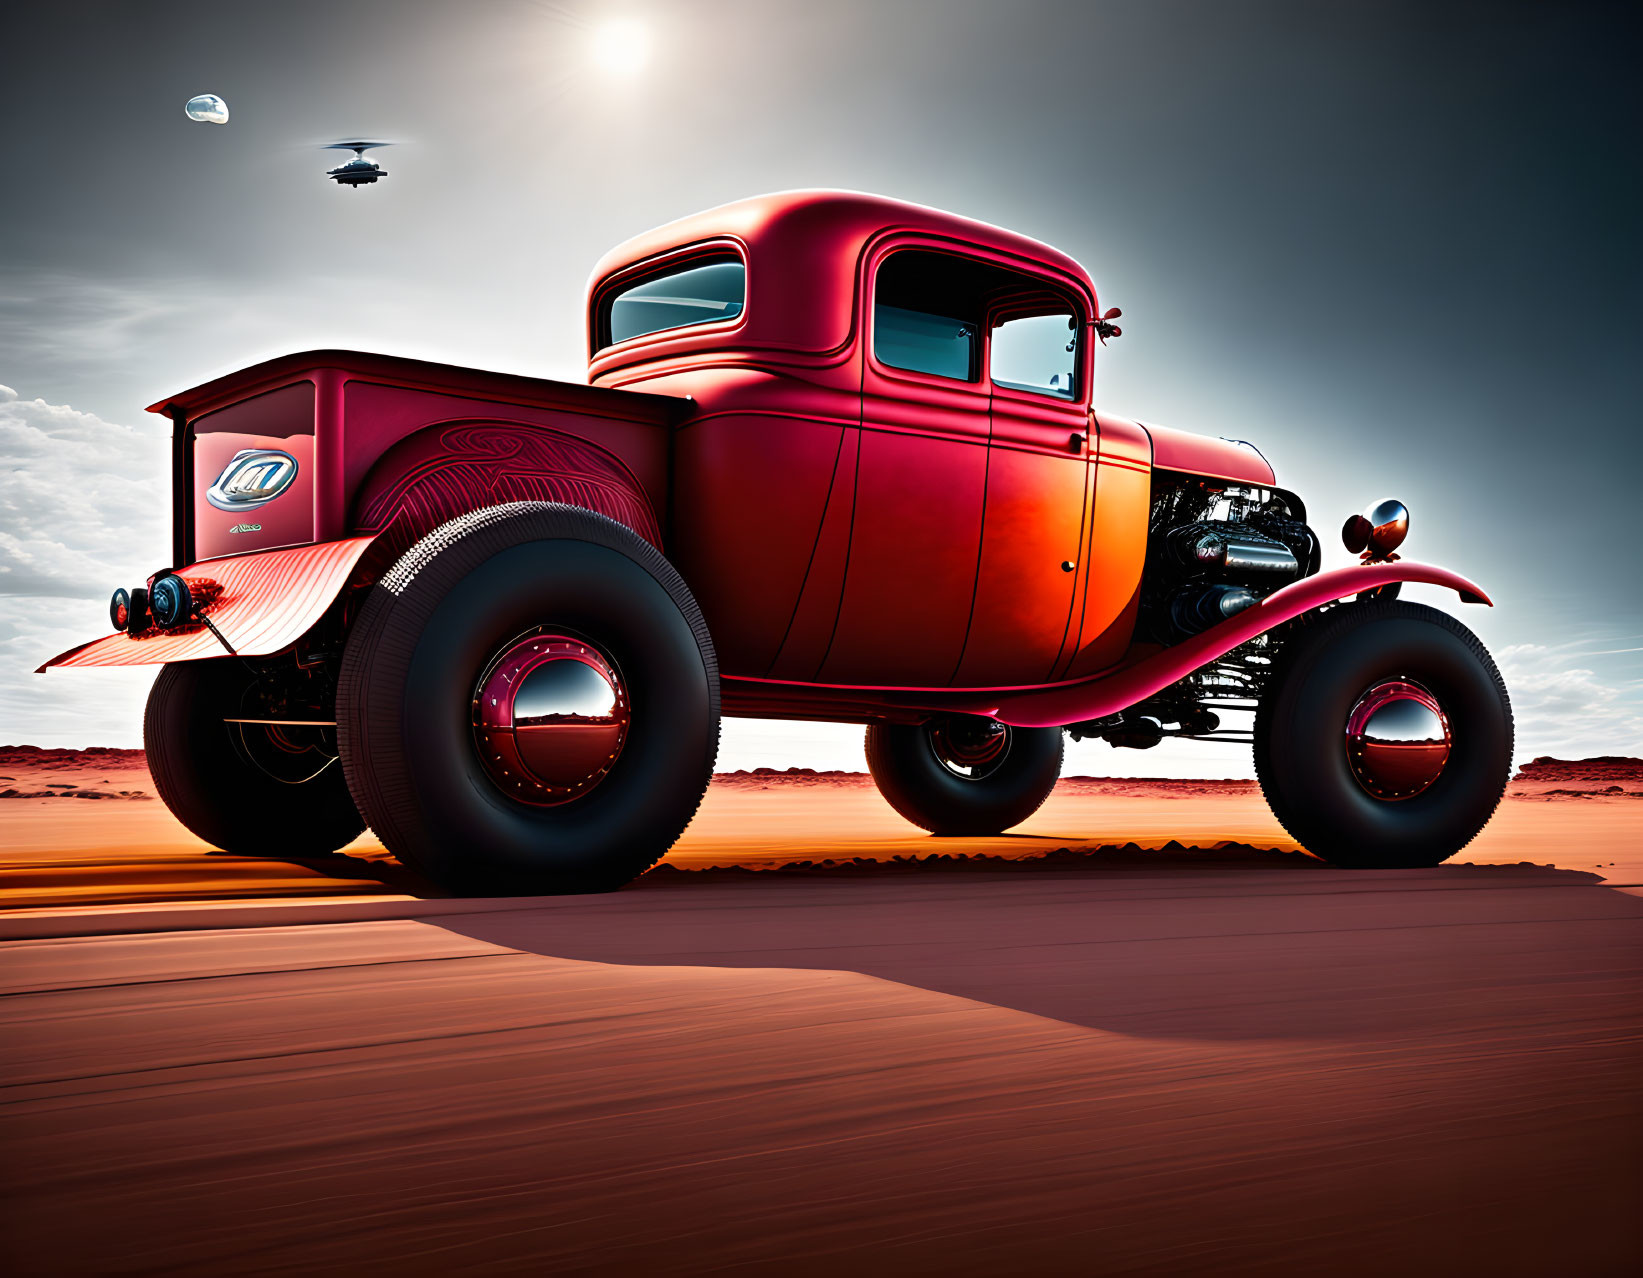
(1067, 565)
(1075, 442)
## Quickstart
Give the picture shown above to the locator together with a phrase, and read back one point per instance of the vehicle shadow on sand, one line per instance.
(1223, 943)
(347, 868)
(1061, 852)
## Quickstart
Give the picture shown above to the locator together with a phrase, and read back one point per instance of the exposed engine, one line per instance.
(1213, 549)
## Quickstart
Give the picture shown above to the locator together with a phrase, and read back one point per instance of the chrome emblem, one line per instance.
(254, 477)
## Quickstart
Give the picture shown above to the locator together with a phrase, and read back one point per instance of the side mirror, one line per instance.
(1105, 328)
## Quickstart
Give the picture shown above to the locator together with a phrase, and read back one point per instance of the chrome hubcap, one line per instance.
(1397, 739)
(550, 716)
(970, 748)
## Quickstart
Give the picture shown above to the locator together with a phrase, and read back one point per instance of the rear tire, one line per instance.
(940, 783)
(433, 642)
(1322, 796)
(208, 774)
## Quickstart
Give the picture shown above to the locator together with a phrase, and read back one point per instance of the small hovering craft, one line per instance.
(207, 108)
(358, 171)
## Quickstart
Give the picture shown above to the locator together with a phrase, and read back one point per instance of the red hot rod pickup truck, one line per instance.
(837, 460)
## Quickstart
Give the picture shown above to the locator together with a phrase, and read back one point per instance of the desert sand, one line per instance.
(1143, 1034)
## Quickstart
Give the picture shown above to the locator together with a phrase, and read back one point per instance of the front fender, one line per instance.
(268, 600)
(1107, 694)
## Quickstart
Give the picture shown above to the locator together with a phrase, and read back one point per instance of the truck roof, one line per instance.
(802, 250)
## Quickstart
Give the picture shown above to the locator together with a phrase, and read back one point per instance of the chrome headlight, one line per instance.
(1378, 532)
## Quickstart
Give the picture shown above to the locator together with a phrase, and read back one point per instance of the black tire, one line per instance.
(422, 640)
(1300, 735)
(906, 763)
(207, 773)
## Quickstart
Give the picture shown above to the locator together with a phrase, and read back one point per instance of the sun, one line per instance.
(620, 46)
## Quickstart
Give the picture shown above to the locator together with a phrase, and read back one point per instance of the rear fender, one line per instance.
(1107, 694)
(261, 603)
(444, 471)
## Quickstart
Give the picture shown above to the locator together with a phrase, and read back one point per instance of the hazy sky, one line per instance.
(1396, 245)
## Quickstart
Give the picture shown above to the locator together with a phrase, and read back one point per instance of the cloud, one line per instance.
(86, 321)
(84, 506)
(1566, 709)
(64, 708)
(84, 503)
(118, 343)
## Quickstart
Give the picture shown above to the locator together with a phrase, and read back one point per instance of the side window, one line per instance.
(705, 291)
(1037, 353)
(930, 310)
(923, 320)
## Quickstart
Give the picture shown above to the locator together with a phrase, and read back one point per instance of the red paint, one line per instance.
(441, 472)
(343, 412)
(846, 543)
(1108, 694)
(1115, 547)
(1148, 669)
(865, 541)
(283, 420)
(1034, 522)
(1217, 458)
(806, 255)
(263, 603)
(915, 539)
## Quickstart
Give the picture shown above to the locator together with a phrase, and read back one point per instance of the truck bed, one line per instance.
(344, 412)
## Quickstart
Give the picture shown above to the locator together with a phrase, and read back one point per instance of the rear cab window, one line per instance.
(704, 290)
(944, 315)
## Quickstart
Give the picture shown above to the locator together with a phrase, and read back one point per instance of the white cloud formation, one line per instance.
(84, 507)
(84, 503)
(1564, 708)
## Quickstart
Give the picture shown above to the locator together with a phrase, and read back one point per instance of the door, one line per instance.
(1038, 482)
(920, 476)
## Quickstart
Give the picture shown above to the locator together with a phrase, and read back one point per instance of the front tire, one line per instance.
(1410, 787)
(464, 780)
(964, 776)
(247, 789)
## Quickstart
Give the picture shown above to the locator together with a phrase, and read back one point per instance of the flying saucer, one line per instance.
(358, 171)
(208, 108)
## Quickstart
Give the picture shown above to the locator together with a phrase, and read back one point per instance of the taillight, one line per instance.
(128, 610)
(170, 601)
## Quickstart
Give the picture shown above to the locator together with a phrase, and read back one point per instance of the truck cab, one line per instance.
(891, 474)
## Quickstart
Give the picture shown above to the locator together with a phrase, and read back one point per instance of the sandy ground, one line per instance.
(104, 838)
(1111, 1053)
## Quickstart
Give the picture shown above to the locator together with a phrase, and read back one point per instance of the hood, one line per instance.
(1213, 458)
